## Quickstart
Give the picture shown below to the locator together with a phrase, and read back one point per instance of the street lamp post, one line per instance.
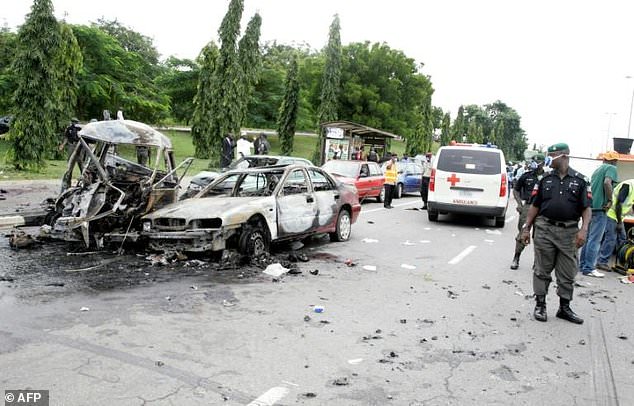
(629, 123)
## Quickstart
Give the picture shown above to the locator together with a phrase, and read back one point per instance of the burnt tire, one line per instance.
(344, 227)
(254, 241)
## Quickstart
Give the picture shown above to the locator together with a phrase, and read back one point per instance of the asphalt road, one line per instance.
(441, 320)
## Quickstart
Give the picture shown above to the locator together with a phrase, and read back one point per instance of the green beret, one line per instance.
(562, 146)
(539, 157)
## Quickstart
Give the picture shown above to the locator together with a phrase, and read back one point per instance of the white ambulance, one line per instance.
(469, 179)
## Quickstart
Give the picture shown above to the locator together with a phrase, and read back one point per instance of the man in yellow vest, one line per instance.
(623, 200)
(391, 172)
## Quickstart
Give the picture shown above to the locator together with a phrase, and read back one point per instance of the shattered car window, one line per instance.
(222, 187)
(320, 182)
(296, 183)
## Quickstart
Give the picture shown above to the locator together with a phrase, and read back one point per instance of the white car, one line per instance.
(469, 179)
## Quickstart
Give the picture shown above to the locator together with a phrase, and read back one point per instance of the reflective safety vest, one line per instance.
(391, 174)
(626, 206)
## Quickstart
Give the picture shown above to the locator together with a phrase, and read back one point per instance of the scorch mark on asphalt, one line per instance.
(462, 255)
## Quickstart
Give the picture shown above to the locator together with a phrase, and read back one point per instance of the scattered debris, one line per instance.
(393, 354)
(451, 294)
(307, 318)
(276, 270)
(407, 266)
(296, 245)
(370, 222)
(369, 267)
(355, 361)
(308, 395)
(84, 309)
(341, 381)
(159, 363)
(486, 287)
(424, 241)
(369, 240)
(80, 254)
(227, 303)
(19, 239)
(403, 321)
(622, 337)
(315, 272)
(408, 242)
(297, 257)
(582, 342)
(350, 262)
(56, 284)
(318, 309)
(324, 322)
(6, 279)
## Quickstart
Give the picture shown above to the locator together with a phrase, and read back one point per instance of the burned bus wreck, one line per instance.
(104, 191)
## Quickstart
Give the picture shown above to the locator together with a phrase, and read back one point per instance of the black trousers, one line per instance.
(424, 189)
(389, 193)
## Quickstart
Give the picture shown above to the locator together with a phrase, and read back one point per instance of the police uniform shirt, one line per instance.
(525, 184)
(562, 199)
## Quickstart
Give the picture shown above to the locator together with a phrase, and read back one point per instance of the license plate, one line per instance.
(465, 193)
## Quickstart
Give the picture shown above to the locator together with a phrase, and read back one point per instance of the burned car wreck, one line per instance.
(248, 209)
(110, 192)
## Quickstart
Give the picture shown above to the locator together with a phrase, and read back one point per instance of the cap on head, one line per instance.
(559, 147)
(74, 120)
(610, 156)
(539, 158)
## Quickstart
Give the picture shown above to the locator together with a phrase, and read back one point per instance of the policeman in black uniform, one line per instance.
(71, 137)
(522, 194)
(559, 199)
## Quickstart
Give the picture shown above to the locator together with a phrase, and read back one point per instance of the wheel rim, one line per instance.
(344, 225)
(257, 244)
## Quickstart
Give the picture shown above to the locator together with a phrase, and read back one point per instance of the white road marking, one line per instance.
(396, 205)
(494, 232)
(369, 240)
(270, 397)
(508, 220)
(490, 241)
(407, 266)
(355, 361)
(462, 255)
(424, 241)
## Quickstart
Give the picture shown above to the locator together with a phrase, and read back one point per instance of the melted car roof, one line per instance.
(125, 132)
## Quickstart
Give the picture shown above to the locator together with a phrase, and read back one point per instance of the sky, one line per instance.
(561, 64)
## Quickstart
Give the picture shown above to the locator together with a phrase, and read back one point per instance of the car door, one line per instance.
(364, 180)
(327, 199)
(377, 179)
(413, 178)
(296, 205)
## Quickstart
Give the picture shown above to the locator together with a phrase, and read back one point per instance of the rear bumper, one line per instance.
(492, 211)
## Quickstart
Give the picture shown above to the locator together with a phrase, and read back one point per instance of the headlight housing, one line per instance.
(147, 225)
(194, 187)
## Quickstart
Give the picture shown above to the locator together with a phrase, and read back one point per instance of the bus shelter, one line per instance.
(345, 138)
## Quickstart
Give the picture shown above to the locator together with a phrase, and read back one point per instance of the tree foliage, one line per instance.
(130, 40)
(204, 102)
(179, 80)
(8, 82)
(288, 110)
(331, 79)
(36, 96)
(113, 78)
(250, 59)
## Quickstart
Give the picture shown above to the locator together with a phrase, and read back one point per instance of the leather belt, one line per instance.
(561, 224)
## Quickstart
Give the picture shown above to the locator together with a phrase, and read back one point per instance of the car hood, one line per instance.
(230, 209)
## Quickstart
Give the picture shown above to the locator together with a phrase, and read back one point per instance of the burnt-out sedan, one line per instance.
(250, 208)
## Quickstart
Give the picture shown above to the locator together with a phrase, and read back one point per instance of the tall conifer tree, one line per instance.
(250, 59)
(204, 102)
(287, 117)
(36, 97)
(331, 79)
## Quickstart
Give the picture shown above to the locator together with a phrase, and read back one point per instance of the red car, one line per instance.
(366, 176)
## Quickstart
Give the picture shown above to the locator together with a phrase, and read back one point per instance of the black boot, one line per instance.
(540, 308)
(566, 313)
(516, 261)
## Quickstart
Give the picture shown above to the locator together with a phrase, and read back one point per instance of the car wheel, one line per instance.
(381, 195)
(253, 241)
(398, 193)
(500, 221)
(344, 227)
(432, 215)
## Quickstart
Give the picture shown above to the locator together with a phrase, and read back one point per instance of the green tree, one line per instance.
(33, 130)
(114, 78)
(69, 62)
(131, 40)
(8, 42)
(204, 102)
(288, 110)
(445, 134)
(459, 128)
(331, 79)
(250, 59)
(179, 81)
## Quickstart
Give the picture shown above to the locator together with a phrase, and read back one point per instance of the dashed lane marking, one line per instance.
(462, 255)
(397, 205)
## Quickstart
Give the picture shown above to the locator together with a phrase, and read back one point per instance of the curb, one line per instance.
(11, 221)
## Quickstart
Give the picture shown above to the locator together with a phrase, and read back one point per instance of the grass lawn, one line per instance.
(183, 147)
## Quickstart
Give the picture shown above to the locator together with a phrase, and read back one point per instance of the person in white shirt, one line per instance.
(244, 147)
(120, 114)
